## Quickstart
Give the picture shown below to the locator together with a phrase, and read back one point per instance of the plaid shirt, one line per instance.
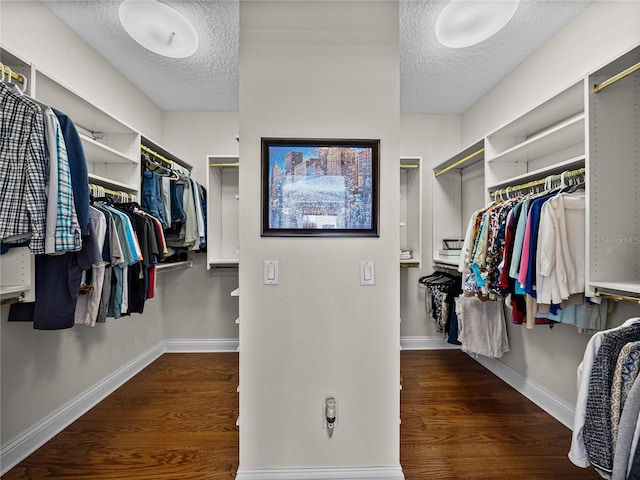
(23, 169)
(67, 237)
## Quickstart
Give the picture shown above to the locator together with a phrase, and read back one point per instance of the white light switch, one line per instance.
(270, 272)
(367, 273)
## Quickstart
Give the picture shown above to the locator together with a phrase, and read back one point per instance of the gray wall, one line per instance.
(319, 70)
(604, 30)
(43, 370)
(434, 138)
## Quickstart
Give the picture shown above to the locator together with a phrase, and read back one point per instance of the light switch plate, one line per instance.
(367, 272)
(271, 273)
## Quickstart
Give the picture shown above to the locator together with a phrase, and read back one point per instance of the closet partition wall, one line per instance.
(458, 190)
(614, 183)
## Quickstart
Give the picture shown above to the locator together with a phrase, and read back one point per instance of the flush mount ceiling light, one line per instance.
(463, 23)
(159, 28)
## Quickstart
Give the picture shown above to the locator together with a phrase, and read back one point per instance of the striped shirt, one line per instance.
(23, 169)
(68, 236)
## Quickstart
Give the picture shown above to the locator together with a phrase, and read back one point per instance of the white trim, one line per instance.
(17, 449)
(329, 473)
(178, 345)
(23, 445)
(554, 406)
(425, 343)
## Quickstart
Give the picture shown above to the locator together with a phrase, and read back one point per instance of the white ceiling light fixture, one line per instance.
(159, 28)
(463, 23)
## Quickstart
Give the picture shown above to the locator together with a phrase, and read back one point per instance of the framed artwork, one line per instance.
(320, 187)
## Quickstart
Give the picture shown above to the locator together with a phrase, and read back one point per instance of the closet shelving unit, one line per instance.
(18, 269)
(112, 150)
(463, 172)
(544, 141)
(223, 211)
(162, 155)
(111, 147)
(411, 210)
(613, 210)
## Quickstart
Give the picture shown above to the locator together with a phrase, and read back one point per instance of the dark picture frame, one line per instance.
(320, 187)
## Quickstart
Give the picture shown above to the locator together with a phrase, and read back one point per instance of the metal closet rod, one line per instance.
(144, 148)
(119, 193)
(618, 298)
(223, 165)
(542, 181)
(615, 78)
(9, 301)
(460, 162)
(14, 75)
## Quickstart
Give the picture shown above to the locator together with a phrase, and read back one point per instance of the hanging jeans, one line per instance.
(151, 196)
(177, 206)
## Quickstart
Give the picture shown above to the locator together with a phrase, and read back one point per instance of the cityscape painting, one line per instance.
(319, 187)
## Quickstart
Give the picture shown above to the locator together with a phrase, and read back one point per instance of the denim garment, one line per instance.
(177, 206)
(151, 196)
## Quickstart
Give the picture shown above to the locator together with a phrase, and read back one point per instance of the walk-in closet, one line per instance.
(319, 240)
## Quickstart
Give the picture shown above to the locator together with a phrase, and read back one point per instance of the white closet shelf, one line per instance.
(163, 152)
(97, 152)
(410, 263)
(470, 156)
(624, 286)
(566, 134)
(447, 261)
(235, 293)
(81, 111)
(556, 168)
(13, 289)
(238, 321)
(165, 267)
(223, 262)
(562, 105)
(113, 184)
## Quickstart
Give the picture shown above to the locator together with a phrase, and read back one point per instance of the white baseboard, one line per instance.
(30, 440)
(33, 438)
(554, 406)
(425, 343)
(187, 345)
(330, 473)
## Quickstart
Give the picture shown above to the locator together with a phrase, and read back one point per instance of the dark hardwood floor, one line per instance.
(459, 421)
(176, 420)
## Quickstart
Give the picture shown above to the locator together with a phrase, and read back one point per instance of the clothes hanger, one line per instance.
(164, 171)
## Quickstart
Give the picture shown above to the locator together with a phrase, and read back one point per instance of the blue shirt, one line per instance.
(78, 168)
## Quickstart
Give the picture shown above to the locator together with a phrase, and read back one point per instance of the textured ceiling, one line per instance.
(434, 79)
(206, 81)
(437, 79)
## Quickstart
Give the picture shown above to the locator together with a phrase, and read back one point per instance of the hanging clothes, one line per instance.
(88, 303)
(23, 170)
(482, 326)
(77, 168)
(441, 290)
(609, 367)
(172, 196)
(532, 248)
